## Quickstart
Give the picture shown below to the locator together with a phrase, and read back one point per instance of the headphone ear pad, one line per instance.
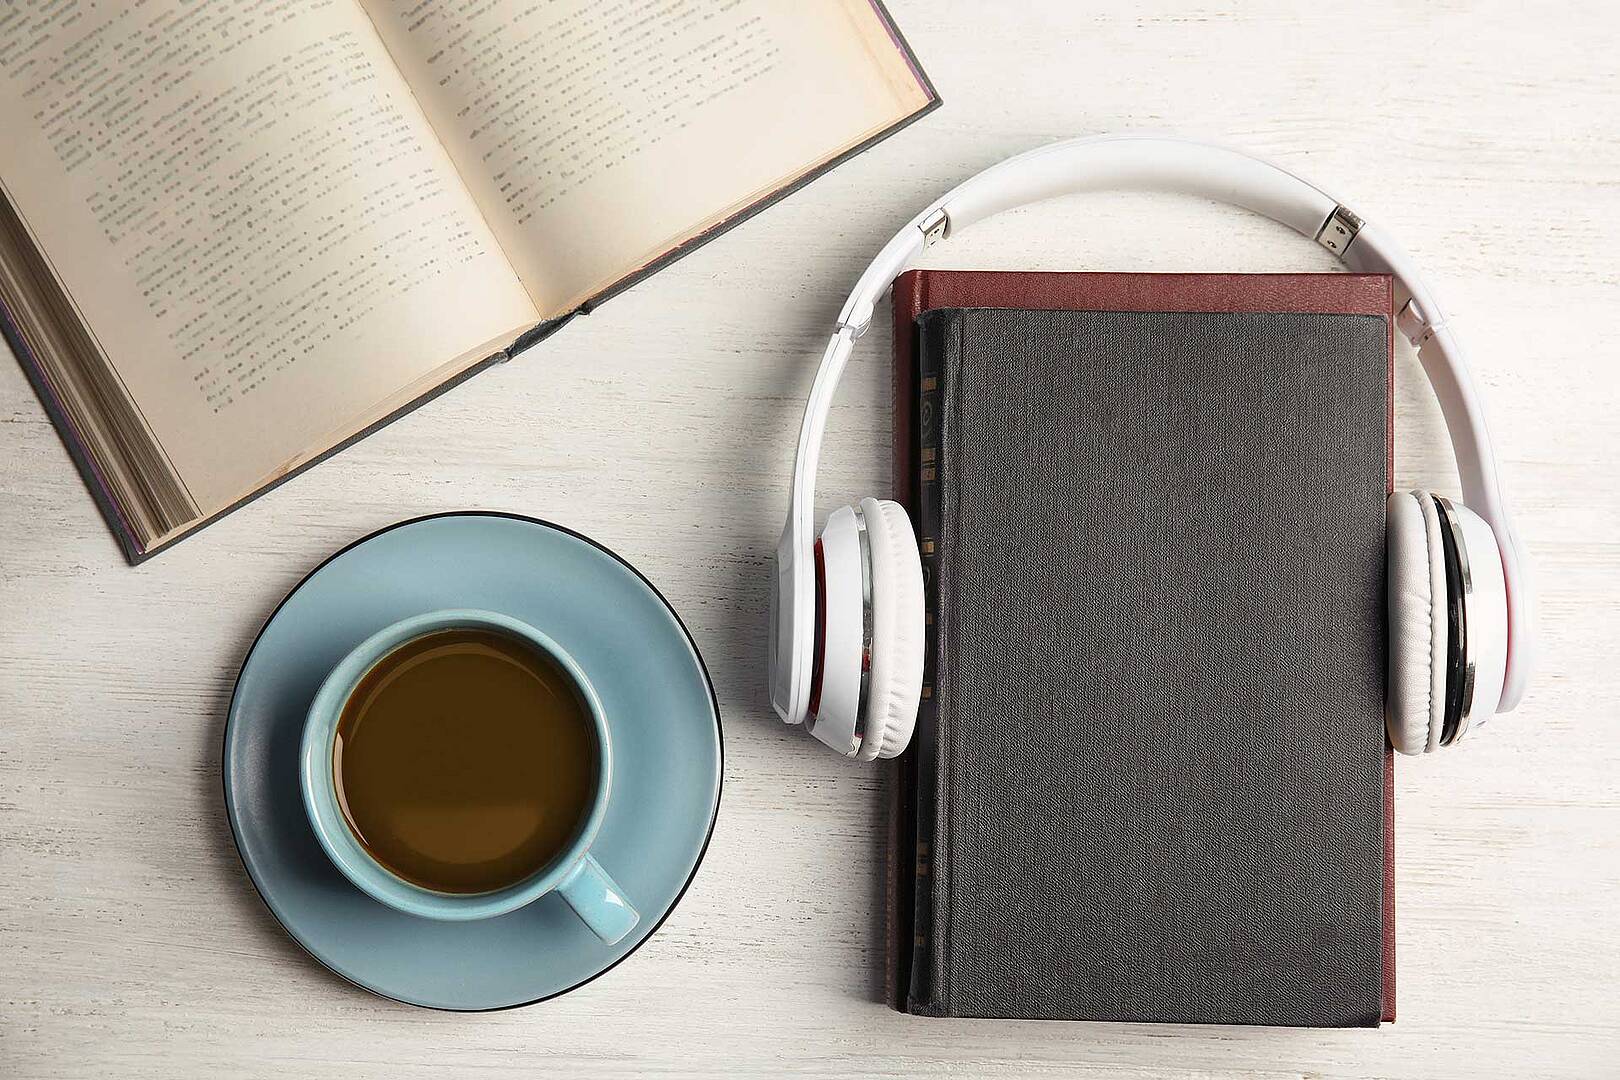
(1415, 697)
(895, 682)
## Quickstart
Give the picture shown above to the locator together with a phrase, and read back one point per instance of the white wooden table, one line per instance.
(1481, 133)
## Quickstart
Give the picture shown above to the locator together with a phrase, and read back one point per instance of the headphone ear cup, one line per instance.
(1415, 697)
(1487, 615)
(895, 682)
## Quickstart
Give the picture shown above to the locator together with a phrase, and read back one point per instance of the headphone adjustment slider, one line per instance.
(1417, 325)
(934, 227)
(1339, 231)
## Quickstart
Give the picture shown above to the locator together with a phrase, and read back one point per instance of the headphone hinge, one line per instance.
(1339, 231)
(1413, 323)
(935, 227)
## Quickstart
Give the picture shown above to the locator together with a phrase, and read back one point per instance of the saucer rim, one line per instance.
(714, 708)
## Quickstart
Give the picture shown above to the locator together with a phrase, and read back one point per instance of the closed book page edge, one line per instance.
(930, 986)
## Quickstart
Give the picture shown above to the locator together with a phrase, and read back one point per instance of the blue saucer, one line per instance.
(634, 650)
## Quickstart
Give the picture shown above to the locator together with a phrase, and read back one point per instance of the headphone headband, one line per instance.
(1151, 163)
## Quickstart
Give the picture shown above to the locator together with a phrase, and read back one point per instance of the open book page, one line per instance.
(252, 218)
(596, 135)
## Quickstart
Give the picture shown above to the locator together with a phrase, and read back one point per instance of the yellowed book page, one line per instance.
(598, 134)
(251, 215)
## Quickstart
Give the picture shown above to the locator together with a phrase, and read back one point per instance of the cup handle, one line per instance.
(597, 899)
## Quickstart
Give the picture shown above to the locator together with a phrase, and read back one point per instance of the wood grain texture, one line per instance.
(1482, 133)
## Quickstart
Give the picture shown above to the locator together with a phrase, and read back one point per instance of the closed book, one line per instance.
(1149, 781)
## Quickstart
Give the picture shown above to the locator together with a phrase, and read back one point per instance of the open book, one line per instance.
(236, 235)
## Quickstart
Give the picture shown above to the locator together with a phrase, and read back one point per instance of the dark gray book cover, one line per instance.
(1150, 771)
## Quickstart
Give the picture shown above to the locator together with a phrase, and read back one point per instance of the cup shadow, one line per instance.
(235, 883)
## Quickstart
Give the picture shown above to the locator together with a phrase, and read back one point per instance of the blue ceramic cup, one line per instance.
(573, 873)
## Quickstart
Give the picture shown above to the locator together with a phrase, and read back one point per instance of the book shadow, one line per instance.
(879, 928)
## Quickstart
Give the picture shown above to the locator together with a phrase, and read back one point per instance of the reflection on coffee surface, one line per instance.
(465, 760)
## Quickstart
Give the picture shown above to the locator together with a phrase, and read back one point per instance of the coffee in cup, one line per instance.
(464, 760)
(457, 765)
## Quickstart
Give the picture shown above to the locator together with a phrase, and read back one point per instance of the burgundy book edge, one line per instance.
(917, 291)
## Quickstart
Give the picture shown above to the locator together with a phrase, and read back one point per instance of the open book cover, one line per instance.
(235, 237)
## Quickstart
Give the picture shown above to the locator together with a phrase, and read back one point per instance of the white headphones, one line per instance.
(846, 655)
